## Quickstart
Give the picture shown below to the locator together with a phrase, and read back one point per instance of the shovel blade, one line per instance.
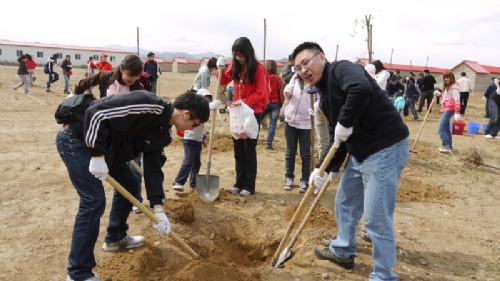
(284, 256)
(208, 191)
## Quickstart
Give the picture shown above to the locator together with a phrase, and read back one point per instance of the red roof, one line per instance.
(68, 47)
(476, 67)
(159, 60)
(492, 69)
(405, 67)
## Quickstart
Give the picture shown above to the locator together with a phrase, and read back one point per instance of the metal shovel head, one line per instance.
(284, 256)
(207, 190)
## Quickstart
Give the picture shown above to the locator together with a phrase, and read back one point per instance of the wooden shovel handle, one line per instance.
(118, 187)
(423, 122)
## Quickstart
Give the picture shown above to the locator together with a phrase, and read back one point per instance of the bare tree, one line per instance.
(366, 23)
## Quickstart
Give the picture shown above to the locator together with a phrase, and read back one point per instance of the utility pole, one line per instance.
(138, 41)
(265, 30)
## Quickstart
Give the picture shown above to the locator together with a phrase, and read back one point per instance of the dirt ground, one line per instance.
(446, 219)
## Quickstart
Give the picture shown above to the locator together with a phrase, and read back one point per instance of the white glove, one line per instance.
(341, 134)
(437, 93)
(221, 61)
(332, 176)
(163, 226)
(98, 167)
(318, 180)
(457, 117)
(215, 104)
(289, 88)
(484, 98)
(311, 112)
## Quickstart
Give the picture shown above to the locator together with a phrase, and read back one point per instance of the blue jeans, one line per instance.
(153, 87)
(75, 156)
(66, 82)
(303, 137)
(190, 164)
(494, 124)
(411, 104)
(273, 109)
(444, 128)
(53, 77)
(370, 188)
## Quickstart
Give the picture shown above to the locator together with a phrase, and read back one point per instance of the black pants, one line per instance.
(426, 95)
(245, 156)
(464, 97)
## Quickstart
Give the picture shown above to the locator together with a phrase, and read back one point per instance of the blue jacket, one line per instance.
(393, 89)
(151, 68)
(490, 90)
(411, 90)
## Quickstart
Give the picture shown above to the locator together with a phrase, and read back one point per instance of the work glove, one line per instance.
(341, 134)
(311, 112)
(318, 180)
(221, 62)
(484, 98)
(163, 226)
(457, 116)
(215, 104)
(289, 88)
(98, 167)
(332, 176)
(437, 93)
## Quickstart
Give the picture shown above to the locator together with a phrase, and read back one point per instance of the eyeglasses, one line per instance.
(195, 124)
(298, 68)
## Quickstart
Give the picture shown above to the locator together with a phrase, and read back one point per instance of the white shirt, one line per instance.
(465, 85)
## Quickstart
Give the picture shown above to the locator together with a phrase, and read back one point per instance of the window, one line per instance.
(39, 54)
(78, 57)
(112, 58)
(19, 53)
(96, 57)
(59, 55)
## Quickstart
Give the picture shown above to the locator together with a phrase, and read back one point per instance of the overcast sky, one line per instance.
(444, 32)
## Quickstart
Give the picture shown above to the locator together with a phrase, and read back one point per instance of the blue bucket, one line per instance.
(484, 128)
(473, 128)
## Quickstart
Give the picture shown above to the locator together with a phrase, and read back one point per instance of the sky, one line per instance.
(438, 33)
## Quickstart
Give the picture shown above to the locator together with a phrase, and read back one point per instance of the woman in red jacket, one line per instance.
(250, 87)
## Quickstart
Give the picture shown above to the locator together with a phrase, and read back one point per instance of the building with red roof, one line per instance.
(480, 75)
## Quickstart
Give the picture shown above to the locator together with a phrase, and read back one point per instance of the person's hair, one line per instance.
(212, 62)
(290, 57)
(306, 46)
(150, 54)
(29, 56)
(271, 67)
(20, 58)
(397, 71)
(244, 46)
(394, 78)
(426, 71)
(493, 78)
(54, 57)
(463, 73)
(448, 74)
(132, 64)
(379, 66)
(411, 73)
(196, 104)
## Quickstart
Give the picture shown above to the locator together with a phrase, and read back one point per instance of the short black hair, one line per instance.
(426, 71)
(212, 62)
(196, 104)
(150, 54)
(306, 46)
(463, 73)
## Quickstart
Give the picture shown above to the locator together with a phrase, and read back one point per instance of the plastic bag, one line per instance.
(242, 122)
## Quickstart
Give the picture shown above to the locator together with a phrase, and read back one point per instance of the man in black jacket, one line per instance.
(365, 124)
(151, 68)
(427, 89)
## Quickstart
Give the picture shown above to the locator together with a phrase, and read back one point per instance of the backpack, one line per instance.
(73, 108)
(46, 68)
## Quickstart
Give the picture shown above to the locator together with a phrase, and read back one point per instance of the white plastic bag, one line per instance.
(242, 122)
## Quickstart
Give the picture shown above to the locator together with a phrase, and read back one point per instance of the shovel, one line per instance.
(207, 186)
(148, 213)
(278, 260)
(422, 126)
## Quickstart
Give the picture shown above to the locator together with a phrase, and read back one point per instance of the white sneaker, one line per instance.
(288, 184)
(177, 187)
(488, 136)
(93, 278)
(444, 150)
(245, 193)
(136, 210)
(234, 190)
(128, 242)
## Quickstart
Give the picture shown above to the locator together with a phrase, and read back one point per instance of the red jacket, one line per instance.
(30, 64)
(275, 84)
(104, 66)
(251, 94)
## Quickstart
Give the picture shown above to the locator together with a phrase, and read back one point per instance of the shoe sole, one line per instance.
(347, 266)
(118, 248)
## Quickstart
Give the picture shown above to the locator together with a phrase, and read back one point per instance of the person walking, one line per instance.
(31, 65)
(251, 88)
(275, 100)
(365, 124)
(465, 91)
(151, 68)
(66, 72)
(450, 106)
(427, 89)
(22, 72)
(412, 94)
(297, 131)
(96, 147)
(53, 75)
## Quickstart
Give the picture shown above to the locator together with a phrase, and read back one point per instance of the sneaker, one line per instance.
(326, 254)
(303, 187)
(444, 150)
(488, 136)
(14, 89)
(27, 93)
(177, 186)
(288, 184)
(269, 148)
(235, 190)
(48, 91)
(93, 278)
(365, 236)
(136, 210)
(128, 242)
(245, 193)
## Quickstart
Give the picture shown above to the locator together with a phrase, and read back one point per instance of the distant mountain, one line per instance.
(164, 55)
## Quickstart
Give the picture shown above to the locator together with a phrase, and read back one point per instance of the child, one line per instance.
(23, 73)
(399, 103)
(192, 142)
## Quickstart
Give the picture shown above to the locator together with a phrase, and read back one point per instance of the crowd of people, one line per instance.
(357, 110)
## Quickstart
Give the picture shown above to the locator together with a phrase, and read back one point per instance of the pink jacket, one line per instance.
(451, 99)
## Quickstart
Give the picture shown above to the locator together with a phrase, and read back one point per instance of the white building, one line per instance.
(10, 51)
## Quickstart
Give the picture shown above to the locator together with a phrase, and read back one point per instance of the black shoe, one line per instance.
(326, 254)
(48, 91)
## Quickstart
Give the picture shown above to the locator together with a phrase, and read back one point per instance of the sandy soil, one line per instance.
(446, 220)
